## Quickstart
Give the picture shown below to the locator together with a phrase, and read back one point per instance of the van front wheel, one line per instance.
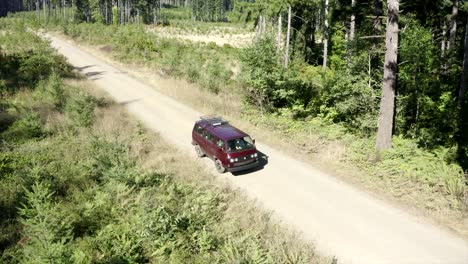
(199, 151)
(219, 166)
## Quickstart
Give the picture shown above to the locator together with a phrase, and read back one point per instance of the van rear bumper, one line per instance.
(243, 167)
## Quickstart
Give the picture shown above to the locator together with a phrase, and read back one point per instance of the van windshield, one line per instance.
(239, 144)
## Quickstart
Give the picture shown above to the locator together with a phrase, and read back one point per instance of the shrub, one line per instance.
(80, 109)
(111, 161)
(45, 229)
(53, 89)
(27, 127)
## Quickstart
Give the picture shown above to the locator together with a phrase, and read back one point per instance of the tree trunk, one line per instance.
(128, 11)
(106, 11)
(353, 21)
(264, 25)
(138, 18)
(387, 102)
(443, 46)
(325, 36)
(44, 7)
(278, 46)
(119, 4)
(288, 34)
(49, 14)
(38, 11)
(464, 78)
(453, 25)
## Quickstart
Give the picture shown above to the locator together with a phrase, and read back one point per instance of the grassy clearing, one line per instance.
(412, 177)
(82, 182)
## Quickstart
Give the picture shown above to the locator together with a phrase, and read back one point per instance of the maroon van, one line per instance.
(230, 148)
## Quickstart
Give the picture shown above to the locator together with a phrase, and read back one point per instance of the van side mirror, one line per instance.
(253, 140)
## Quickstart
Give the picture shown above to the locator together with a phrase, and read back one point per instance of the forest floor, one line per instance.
(351, 224)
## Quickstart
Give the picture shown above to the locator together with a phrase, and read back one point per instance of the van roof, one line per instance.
(220, 128)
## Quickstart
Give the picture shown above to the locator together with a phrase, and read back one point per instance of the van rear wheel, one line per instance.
(219, 166)
(199, 151)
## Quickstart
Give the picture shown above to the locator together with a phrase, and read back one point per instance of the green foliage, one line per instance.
(29, 126)
(53, 90)
(80, 109)
(96, 11)
(111, 159)
(307, 90)
(115, 15)
(216, 76)
(27, 64)
(46, 230)
(426, 109)
(349, 100)
(209, 10)
(263, 75)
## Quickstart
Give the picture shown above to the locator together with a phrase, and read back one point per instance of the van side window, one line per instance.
(209, 137)
(199, 130)
(220, 143)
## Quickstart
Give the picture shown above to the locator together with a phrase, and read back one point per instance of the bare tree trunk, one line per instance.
(325, 37)
(106, 10)
(278, 46)
(288, 34)
(155, 21)
(49, 13)
(353, 21)
(264, 25)
(44, 10)
(257, 27)
(38, 11)
(128, 11)
(138, 18)
(387, 102)
(453, 25)
(369, 68)
(120, 11)
(464, 78)
(443, 42)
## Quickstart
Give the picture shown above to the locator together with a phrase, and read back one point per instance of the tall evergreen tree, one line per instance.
(387, 103)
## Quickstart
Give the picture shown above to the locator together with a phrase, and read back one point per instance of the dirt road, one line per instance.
(339, 219)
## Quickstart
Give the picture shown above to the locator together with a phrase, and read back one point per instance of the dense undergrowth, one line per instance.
(80, 182)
